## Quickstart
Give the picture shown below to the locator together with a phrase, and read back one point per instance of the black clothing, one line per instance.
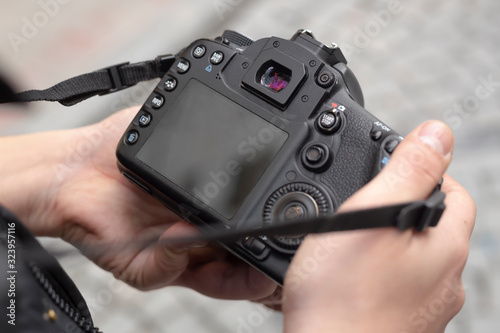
(36, 295)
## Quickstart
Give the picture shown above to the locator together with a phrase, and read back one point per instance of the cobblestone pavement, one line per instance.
(421, 60)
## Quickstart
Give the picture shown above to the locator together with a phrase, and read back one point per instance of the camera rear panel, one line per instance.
(251, 136)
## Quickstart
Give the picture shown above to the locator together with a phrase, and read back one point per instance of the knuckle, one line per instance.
(467, 217)
(465, 200)
(461, 255)
(469, 201)
(458, 252)
(170, 262)
(459, 302)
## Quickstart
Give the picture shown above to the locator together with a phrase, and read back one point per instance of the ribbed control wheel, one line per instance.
(292, 203)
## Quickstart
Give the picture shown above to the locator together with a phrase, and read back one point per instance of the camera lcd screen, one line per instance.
(211, 147)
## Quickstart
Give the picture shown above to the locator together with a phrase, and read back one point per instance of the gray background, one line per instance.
(424, 62)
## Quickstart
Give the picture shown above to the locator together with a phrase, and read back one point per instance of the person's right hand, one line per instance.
(385, 280)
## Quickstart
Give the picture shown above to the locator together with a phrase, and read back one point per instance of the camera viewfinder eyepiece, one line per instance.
(275, 77)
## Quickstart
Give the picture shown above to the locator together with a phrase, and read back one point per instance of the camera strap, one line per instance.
(101, 82)
(418, 215)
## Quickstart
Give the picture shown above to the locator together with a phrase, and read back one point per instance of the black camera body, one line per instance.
(243, 134)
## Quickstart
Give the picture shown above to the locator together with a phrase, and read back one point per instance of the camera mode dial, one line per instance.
(291, 203)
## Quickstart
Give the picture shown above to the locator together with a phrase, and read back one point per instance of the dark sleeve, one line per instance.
(36, 295)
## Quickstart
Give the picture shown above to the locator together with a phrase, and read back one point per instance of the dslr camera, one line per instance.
(248, 134)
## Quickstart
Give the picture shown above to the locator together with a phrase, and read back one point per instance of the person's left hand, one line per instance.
(76, 192)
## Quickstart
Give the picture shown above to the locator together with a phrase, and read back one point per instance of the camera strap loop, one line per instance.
(422, 214)
(100, 82)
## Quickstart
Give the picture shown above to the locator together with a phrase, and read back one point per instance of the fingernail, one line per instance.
(198, 244)
(186, 246)
(438, 136)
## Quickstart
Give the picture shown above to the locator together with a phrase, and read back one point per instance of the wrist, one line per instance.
(329, 321)
(32, 173)
(314, 309)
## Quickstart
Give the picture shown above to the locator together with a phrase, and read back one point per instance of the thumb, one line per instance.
(415, 168)
(169, 262)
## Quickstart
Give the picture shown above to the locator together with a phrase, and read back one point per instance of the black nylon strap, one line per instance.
(100, 82)
(418, 215)
(6, 90)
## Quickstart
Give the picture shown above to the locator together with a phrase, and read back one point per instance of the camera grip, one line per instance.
(356, 161)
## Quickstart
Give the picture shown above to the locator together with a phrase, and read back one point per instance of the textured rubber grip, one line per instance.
(356, 160)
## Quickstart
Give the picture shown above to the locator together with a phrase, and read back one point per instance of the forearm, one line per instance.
(32, 171)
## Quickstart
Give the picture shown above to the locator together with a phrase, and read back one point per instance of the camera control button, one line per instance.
(254, 245)
(316, 157)
(314, 154)
(325, 79)
(290, 203)
(182, 66)
(217, 57)
(384, 161)
(328, 122)
(131, 137)
(199, 51)
(157, 102)
(376, 135)
(144, 119)
(170, 84)
(391, 145)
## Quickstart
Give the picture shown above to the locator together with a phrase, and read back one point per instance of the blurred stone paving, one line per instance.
(424, 60)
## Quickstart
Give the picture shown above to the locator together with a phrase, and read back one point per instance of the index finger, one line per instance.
(460, 213)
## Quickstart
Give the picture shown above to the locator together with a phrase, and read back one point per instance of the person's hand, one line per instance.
(66, 184)
(385, 280)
